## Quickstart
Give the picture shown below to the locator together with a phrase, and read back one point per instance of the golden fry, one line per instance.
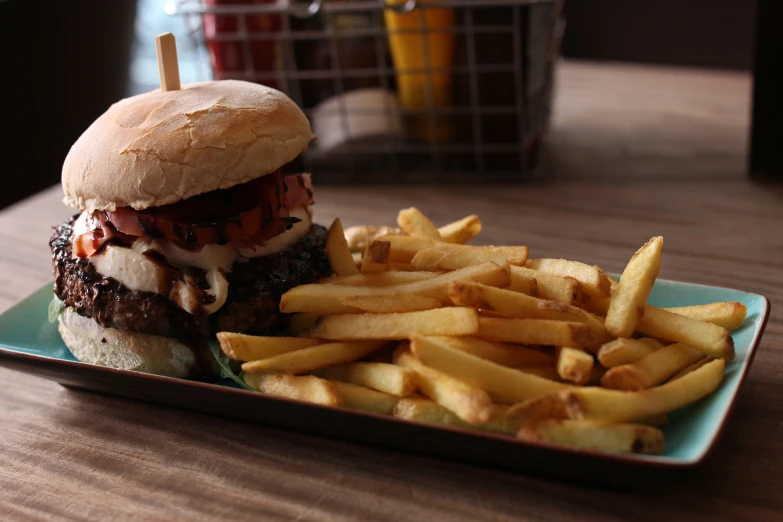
(376, 257)
(574, 365)
(337, 251)
(427, 259)
(595, 435)
(442, 321)
(594, 281)
(652, 369)
(415, 223)
(382, 279)
(623, 351)
(709, 338)
(461, 231)
(298, 387)
(243, 347)
(552, 287)
(387, 378)
(535, 331)
(524, 284)
(313, 358)
(419, 409)
(359, 237)
(364, 399)
(627, 303)
(499, 353)
(384, 304)
(730, 315)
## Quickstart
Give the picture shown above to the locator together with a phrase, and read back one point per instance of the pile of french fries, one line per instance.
(419, 325)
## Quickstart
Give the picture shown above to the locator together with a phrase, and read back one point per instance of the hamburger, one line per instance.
(187, 226)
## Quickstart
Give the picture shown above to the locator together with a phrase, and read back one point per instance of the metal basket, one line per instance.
(477, 114)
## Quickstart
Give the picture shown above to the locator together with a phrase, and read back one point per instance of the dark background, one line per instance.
(69, 61)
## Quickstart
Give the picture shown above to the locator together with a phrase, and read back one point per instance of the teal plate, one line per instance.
(30, 343)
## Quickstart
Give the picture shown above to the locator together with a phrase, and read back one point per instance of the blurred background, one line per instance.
(455, 90)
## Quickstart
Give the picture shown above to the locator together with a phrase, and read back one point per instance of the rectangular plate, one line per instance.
(30, 343)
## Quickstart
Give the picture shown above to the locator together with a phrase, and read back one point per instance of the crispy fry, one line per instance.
(337, 251)
(404, 248)
(382, 279)
(469, 256)
(574, 365)
(325, 299)
(651, 342)
(467, 402)
(624, 406)
(627, 303)
(384, 304)
(479, 372)
(442, 321)
(359, 237)
(553, 287)
(376, 257)
(524, 284)
(243, 347)
(711, 339)
(313, 358)
(387, 378)
(499, 353)
(461, 231)
(545, 372)
(594, 281)
(301, 388)
(695, 366)
(427, 259)
(623, 351)
(730, 315)
(424, 410)
(415, 223)
(651, 369)
(535, 331)
(595, 435)
(515, 305)
(364, 399)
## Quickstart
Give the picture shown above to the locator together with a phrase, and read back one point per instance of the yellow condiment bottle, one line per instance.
(421, 47)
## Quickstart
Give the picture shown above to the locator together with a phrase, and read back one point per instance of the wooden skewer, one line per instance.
(168, 67)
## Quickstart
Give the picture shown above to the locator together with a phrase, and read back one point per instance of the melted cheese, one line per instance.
(137, 271)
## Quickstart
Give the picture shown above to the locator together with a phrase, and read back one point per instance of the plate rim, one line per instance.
(653, 461)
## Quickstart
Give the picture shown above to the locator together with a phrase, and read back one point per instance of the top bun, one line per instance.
(162, 147)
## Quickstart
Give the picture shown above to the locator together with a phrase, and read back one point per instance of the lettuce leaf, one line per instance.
(56, 307)
(225, 366)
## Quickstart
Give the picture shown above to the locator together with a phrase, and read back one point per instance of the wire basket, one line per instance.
(398, 90)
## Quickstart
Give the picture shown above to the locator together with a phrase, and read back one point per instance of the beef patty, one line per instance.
(253, 300)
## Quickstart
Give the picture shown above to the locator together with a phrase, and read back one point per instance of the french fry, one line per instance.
(594, 281)
(524, 284)
(364, 399)
(624, 406)
(384, 304)
(545, 372)
(359, 237)
(387, 378)
(595, 435)
(651, 342)
(442, 321)
(404, 248)
(423, 410)
(499, 353)
(651, 369)
(427, 259)
(623, 351)
(461, 231)
(627, 303)
(301, 323)
(711, 339)
(553, 287)
(357, 259)
(382, 279)
(376, 257)
(325, 299)
(337, 251)
(538, 409)
(415, 223)
(574, 365)
(298, 387)
(730, 315)
(515, 305)
(535, 331)
(313, 358)
(481, 373)
(467, 402)
(243, 347)
(695, 366)
(469, 256)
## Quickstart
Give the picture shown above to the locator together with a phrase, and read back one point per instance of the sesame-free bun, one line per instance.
(162, 147)
(117, 348)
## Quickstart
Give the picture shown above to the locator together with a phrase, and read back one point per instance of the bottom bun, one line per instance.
(125, 350)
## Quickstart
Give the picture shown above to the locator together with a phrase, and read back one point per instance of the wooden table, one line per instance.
(633, 152)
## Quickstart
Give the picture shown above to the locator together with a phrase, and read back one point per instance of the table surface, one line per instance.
(633, 152)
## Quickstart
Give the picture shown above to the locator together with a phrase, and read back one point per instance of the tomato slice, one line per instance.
(258, 209)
